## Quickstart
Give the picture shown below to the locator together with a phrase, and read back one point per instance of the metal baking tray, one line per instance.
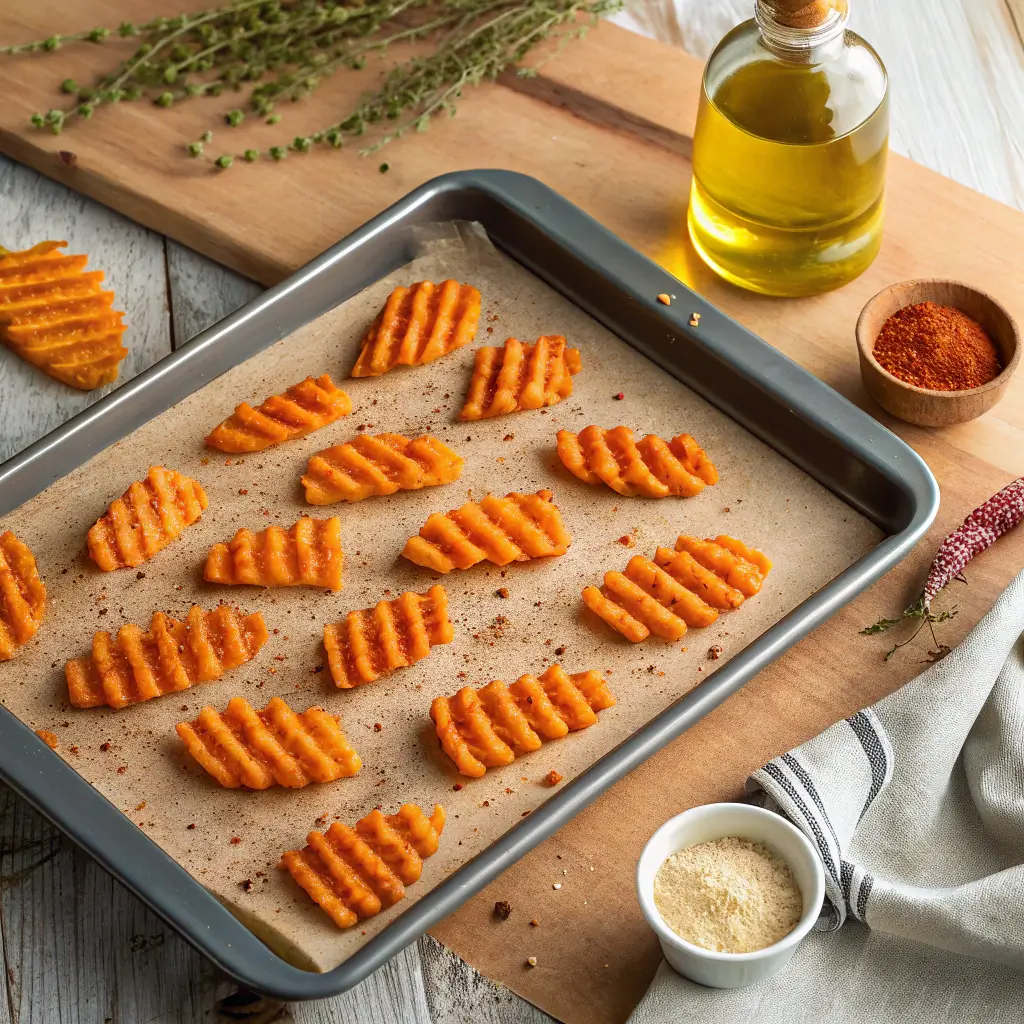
(834, 442)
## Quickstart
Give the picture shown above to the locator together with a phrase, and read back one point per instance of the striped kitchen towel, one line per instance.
(916, 807)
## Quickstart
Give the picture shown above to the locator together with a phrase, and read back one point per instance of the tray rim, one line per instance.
(56, 791)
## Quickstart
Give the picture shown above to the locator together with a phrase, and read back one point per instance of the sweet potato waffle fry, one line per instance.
(370, 643)
(678, 589)
(271, 747)
(651, 467)
(354, 873)
(303, 408)
(367, 466)
(307, 554)
(137, 666)
(22, 595)
(520, 376)
(56, 316)
(145, 519)
(485, 728)
(499, 530)
(418, 325)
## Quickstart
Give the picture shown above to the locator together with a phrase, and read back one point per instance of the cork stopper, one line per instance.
(801, 14)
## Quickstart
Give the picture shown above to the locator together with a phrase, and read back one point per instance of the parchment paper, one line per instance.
(231, 840)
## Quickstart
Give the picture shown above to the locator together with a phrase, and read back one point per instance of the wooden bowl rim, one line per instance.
(867, 348)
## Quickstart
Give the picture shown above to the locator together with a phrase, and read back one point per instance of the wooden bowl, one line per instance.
(919, 405)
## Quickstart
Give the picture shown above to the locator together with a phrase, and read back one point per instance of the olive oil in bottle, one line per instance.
(790, 151)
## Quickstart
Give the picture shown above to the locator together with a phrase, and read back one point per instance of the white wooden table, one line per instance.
(77, 948)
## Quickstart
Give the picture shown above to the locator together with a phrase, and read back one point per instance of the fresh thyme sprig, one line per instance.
(282, 50)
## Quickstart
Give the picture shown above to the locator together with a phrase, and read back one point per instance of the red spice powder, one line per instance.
(937, 347)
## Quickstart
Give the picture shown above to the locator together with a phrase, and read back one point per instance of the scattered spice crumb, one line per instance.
(509, 437)
(502, 909)
(48, 738)
(626, 541)
(140, 807)
(106, 746)
(245, 884)
(531, 961)
(193, 825)
(457, 786)
(664, 299)
(243, 490)
(715, 652)
(140, 575)
(619, 397)
(534, 923)
(377, 726)
(235, 840)
(560, 651)
(553, 778)
(502, 592)
(694, 323)
(556, 885)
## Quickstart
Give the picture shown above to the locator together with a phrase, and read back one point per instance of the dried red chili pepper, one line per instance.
(978, 532)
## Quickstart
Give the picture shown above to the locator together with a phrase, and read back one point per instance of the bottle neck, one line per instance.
(801, 45)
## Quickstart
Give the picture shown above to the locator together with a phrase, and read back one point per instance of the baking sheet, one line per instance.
(237, 836)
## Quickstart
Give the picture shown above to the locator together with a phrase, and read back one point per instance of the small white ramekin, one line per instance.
(716, 821)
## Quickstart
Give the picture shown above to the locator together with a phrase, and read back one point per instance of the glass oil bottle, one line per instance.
(790, 151)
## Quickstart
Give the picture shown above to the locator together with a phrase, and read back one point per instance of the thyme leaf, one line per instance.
(273, 51)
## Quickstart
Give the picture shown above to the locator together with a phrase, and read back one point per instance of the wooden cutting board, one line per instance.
(607, 124)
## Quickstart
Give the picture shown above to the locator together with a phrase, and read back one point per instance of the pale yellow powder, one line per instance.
(730, 895)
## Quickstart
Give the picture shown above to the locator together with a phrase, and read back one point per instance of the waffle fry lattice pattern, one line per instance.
(22, 595)
(271, 747)
(681, 588)
(515, 528)
(520, 376)
(55, 315)
(145, 519)
(370, 643)
(303, 408)
(354, 873)
(650, 467)
(367, 466)
(418, 325)
(306, 554)
(485, 728)
(135, 665)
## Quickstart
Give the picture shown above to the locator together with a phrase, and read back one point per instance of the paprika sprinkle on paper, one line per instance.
(937, 348)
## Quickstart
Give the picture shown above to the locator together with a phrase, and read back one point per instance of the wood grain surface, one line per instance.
(954, 109)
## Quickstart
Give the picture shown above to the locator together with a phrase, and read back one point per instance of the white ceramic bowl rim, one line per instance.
(812, 906)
